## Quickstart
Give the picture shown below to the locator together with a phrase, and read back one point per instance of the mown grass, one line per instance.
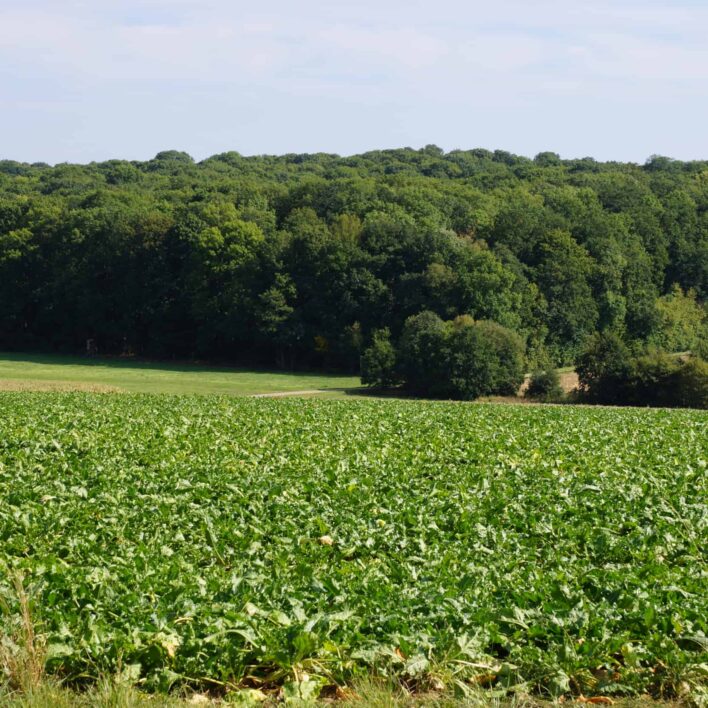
(49, 372)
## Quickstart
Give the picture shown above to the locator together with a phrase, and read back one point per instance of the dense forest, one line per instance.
(299, 260)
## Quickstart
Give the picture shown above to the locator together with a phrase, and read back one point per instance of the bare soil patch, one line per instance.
(569, 381)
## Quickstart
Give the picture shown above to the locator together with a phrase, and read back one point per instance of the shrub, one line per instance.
(653, 380)
(484, 358)
(544, 385)
(460, 359)
(701, 348)
(608, 374)
(422, 353)
(692, 384)
(664, 380)
(682, 321)
(604, 368)
(378, 362)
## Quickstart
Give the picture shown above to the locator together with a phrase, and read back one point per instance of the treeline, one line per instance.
(465, 359)
(611, 374)
(299, 260)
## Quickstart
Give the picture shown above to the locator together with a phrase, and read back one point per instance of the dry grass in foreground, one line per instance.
(24, 684)
(108, 694)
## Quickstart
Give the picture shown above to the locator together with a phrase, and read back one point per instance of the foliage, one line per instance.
(214, 541)
(609, 374)
(604, 367)
(460, 358)
(422, 354)
(653, 379)
(544, 385)
(692, 383)
(563, 269)
(378, 362)
(683, 322)
(273, 260)
(701, 348)
(484, 359)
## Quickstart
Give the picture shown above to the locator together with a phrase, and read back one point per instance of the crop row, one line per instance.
(229, 542)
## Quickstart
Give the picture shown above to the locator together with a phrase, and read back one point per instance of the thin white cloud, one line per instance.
(656, 60)
(406, 46)
(503, 53)
(504, 38)
(432, 71)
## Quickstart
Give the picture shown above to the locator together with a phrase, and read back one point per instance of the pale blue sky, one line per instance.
(84, 80)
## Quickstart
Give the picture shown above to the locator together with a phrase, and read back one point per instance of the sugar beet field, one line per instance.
(224, 543)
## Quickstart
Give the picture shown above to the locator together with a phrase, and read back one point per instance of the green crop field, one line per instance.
(53, 372)
(223, 543)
